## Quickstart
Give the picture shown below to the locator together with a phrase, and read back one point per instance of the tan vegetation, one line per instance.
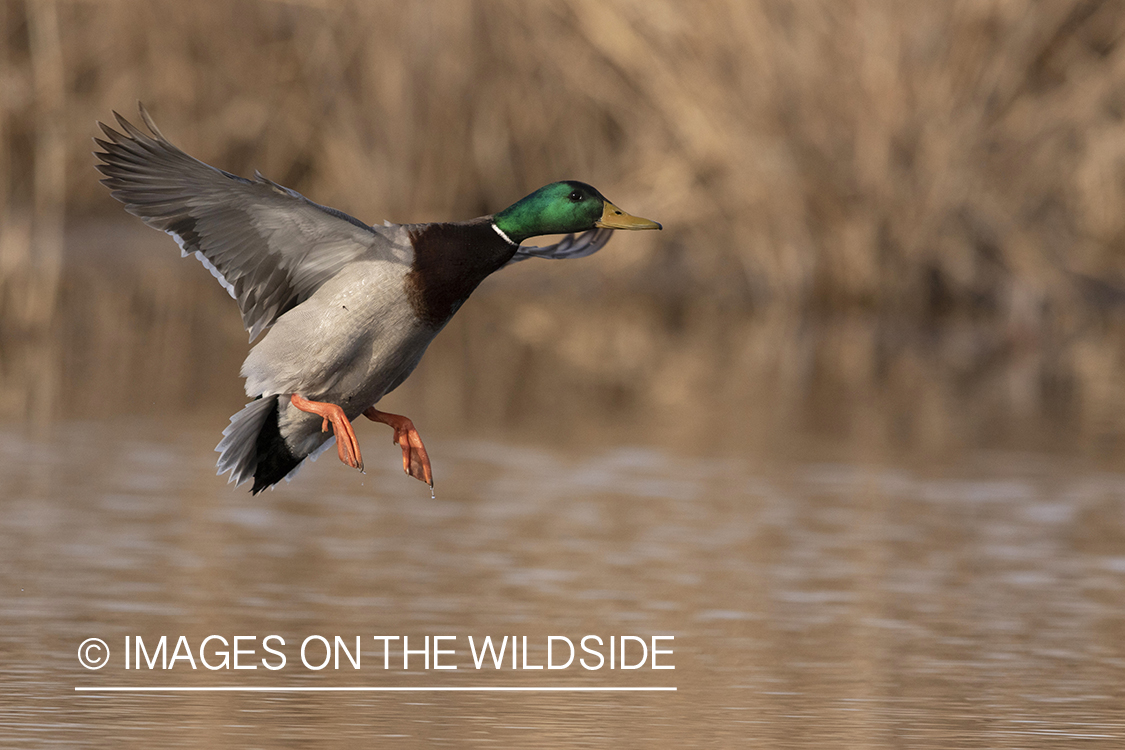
(926, 161)
(911, 154)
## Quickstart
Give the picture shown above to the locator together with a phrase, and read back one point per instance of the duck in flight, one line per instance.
(348, 309)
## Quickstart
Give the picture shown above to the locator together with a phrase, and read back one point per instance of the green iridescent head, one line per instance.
(562, 208)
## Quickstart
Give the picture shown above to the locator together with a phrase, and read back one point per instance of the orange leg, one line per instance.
(346, 444)
(415, 462)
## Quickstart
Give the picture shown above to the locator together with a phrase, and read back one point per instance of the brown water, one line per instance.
(823, 586)
(811, 605)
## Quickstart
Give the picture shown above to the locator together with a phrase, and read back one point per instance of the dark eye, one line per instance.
(576, 196)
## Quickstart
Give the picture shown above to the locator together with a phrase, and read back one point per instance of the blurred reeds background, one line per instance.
(899, 220)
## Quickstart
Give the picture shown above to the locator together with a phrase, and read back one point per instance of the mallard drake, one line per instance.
(349, 309)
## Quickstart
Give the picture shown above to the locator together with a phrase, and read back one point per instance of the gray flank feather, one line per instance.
(311, 457)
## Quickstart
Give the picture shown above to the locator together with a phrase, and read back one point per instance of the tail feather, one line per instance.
(236, 450)
(252, 446)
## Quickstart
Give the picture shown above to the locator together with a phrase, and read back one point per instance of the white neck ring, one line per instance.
(503, 236)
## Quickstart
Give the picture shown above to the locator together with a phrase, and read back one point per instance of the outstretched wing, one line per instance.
(571, 246)
(269, 246)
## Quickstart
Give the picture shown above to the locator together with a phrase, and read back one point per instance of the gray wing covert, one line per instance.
(269, 246)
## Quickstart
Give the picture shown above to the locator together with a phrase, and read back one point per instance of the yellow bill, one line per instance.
(614, 218)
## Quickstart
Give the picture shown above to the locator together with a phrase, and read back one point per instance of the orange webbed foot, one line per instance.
(346, 444)
(415, 461)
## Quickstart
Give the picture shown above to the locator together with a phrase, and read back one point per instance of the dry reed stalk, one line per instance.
(31, 238)
(50, 151)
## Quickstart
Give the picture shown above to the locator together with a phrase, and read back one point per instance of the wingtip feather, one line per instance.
(148, 121)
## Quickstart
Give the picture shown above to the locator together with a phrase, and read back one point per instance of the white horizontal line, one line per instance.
(296, 689)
